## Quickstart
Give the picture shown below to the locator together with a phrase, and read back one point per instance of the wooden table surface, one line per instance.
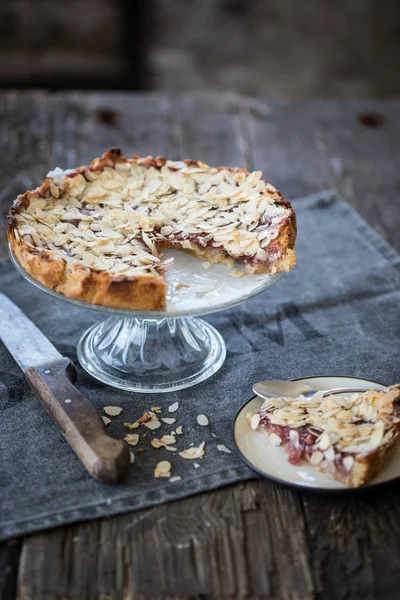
(266, 541)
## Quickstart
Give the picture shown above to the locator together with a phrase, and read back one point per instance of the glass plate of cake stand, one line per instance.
(154, 351)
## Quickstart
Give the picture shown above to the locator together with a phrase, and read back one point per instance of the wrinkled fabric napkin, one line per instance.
(337, 312)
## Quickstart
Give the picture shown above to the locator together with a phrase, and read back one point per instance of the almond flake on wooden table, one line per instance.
(131, 457)
(174, 407)
(194, 452)
(152, 424)
(176, 478)
(112, 411)
(132, 438)
(106, 420)
(168, 420)
(132, 426)
(179, 430)
(223, 448)
(202, 420)
(163, 469)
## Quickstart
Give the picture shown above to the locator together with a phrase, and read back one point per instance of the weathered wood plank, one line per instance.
(9, 561)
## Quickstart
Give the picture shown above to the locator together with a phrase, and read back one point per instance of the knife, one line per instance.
(51, 377)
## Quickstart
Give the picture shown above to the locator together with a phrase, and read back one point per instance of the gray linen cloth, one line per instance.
(337, 312)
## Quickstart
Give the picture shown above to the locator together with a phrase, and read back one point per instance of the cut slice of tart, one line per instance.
(350, 437)
(97, 233)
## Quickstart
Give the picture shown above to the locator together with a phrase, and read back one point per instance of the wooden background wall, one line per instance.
(274, 48)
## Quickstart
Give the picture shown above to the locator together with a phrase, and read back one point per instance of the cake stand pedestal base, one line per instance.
(151, 355)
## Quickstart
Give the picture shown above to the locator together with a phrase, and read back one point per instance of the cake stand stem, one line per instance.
(151, 355)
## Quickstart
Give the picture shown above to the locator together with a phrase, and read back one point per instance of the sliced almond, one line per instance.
(255, 421)
(132, 438)
(112, 411)
(196, 465)
(348, 462)
(174, 407)
(223, 448)
(168, 440)
(202, 420)
(179, 430)
(176, 478)
(163, 469)
(275, 439)
(106, 420)
(193, 452)
(152, 425)
(131, 457)
(324, 442)
(316, 457)
(156, 443)
(132, 426)
(168, 420)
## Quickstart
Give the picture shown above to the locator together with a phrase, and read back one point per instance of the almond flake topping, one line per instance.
(112, 411)
(106, 420)
(176, 478)
(174, 407)
(131, 457)
(118, 214)
(353, 424)
(179, 430)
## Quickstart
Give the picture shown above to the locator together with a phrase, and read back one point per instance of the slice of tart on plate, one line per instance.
(350, 437)
(97, 233)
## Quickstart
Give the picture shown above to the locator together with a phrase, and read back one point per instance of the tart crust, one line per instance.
(380, 410)
(145, 290)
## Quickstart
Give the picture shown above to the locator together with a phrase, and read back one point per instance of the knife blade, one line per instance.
(51, 377)
(24, 341)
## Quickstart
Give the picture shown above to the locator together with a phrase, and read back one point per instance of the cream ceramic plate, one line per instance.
(272, 461)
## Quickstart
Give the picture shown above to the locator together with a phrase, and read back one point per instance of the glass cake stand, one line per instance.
(154, 351)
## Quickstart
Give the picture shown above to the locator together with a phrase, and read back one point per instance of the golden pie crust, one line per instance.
(97, 233)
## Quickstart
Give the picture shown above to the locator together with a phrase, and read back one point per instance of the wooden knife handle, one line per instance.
(105, 458)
